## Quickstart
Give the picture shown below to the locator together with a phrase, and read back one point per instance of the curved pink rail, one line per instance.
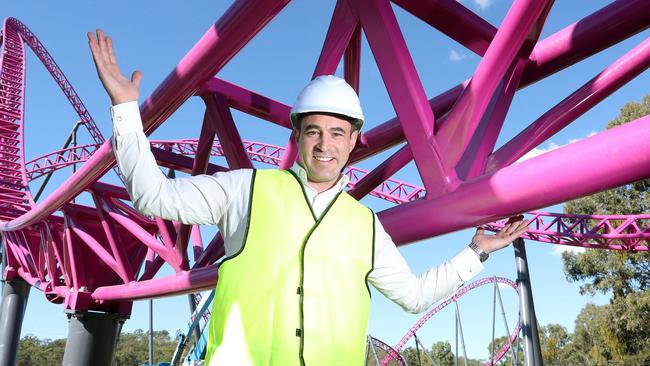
(104, 255)
(458, 294)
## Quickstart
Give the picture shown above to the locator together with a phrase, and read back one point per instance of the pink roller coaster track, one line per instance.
(105, 255)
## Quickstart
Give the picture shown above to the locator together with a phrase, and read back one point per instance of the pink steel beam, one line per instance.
(405, 90)
(453, 19)
(545, 227)
(522, 20)
(609, 80)
(587, 166)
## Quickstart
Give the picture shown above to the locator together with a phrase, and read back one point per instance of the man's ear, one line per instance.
(296, 135)
(354, 136)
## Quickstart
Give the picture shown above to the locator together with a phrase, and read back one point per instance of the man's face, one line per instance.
(324, 145)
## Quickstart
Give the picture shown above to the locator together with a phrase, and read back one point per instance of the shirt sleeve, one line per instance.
(201, 199)
(393, 277)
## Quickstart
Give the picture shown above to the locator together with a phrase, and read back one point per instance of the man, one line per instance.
(299, 250)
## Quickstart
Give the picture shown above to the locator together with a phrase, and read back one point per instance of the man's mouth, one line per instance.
(323, 158)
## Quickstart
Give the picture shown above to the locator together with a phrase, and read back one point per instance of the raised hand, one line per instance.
(514, 228)
(119, 88)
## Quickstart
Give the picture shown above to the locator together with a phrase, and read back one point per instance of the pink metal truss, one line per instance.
(103, 255)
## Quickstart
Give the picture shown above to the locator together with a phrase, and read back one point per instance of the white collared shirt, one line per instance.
(222, 199)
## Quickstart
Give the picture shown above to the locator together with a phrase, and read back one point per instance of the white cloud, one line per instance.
(559, 249)
(456, 56)
(550, 147)
(480, 4)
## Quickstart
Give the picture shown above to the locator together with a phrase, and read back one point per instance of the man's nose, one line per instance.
(323, 142)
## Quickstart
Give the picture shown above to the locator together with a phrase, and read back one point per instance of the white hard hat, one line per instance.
(331, 94)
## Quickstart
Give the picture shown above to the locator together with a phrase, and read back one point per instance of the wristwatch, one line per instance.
(482, 255)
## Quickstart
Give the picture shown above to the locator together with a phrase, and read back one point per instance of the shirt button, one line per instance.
(119, 119)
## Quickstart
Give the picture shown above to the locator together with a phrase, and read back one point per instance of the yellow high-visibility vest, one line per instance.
(297, 291)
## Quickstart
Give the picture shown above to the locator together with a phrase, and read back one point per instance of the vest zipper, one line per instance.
(301, 287)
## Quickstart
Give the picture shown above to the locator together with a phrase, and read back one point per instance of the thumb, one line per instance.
(479, 231)
(136, 78)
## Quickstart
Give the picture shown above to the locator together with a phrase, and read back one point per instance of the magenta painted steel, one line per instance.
(404, 88)
(627, 232)
(595, 90)
(104, 255)
(458, 294)
(453, 19)
(520, 24)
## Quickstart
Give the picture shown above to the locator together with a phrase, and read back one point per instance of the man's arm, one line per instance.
(394, 279)
(201, 199)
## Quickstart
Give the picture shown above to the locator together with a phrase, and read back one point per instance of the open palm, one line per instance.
(513, 229)
(119, 88)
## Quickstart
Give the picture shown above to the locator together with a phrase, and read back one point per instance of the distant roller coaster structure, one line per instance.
(97, 258)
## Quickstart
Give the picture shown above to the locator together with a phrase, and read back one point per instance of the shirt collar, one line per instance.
(302, 176)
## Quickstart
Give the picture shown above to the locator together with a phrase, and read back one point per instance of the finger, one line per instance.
(92, 42)
(136, 77)
(103, 45)
(111, 50)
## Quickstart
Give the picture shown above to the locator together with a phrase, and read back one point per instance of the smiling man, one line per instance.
(300, 252)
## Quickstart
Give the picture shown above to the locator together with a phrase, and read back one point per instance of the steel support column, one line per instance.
(14, 301)
(532, 350)
(92, 338)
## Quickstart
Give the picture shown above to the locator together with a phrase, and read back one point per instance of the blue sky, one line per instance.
(153, 37)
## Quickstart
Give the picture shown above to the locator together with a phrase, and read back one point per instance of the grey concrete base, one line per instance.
(92, 338)
(14, 301)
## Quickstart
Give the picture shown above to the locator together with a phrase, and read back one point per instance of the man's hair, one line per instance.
(352, 121)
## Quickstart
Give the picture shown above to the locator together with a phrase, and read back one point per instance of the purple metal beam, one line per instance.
(198, 280)
(455, 20)
(341, 28)
(218, 114)
(405, 90)
(352, 60)
(588, 36)
(241, 22)
(530, 184)
(523, 18)
(381, 173)
(473, 161)
(593, 92)
(250, 102)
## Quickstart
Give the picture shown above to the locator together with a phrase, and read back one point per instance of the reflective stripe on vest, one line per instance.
(297, 292)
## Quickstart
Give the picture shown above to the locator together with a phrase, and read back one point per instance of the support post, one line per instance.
(92, 338)
(150, 331)
(14, 301)
(532, 350)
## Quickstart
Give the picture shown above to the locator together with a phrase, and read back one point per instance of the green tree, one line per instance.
(133, 348)
(410, 355)
(554, 339)
(33, 351)
(620, 330)
(507, 358)
(441, 354)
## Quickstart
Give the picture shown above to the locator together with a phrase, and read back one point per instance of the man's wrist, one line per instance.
(482, 255)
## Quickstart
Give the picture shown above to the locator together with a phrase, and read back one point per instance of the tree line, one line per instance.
(132, 349)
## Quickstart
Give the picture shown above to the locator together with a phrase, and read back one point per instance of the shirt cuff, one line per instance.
(467, 264)
(126, 118)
